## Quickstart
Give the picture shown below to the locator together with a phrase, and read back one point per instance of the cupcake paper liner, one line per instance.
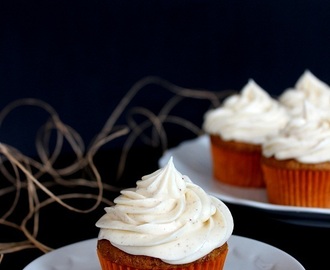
(215, 264)
(305, 188)
(236, 164)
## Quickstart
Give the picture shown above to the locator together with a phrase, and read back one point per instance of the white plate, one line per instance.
(244, 253)
(193, 158)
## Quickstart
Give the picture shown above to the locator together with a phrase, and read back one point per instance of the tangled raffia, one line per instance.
(25, 174)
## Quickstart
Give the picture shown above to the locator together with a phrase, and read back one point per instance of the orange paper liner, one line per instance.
(215, 264)
(236, 166)
(305, 188)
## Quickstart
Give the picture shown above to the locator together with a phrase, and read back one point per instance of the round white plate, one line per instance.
(193, 158)
(244, 253)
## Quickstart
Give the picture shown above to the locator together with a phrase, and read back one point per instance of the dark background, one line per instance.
(81, 57)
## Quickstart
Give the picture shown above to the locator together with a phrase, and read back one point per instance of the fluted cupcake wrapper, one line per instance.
(236, 164)
(305, 188)
(215, 264)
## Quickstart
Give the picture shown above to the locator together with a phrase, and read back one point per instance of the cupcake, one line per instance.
(237, 130)
(308, 87)
(165, 222)
(296, 162)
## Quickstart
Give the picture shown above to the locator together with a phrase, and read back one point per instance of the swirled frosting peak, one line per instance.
(166, 216)
(306, 138)
(308, 87)
(248, 116)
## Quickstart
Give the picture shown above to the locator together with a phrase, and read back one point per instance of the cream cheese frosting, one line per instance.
(306, 138)
(166, 216)
(248, 116)
(308, 87)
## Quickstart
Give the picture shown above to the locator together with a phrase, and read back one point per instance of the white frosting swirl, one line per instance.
(308, 87)
(306, 138)
(166, 216)
(247, 117)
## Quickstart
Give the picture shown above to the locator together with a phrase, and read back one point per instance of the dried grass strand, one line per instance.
(26, 174)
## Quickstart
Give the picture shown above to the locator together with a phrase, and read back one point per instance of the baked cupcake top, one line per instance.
(308, 87)
(168, 217)
(248, 116)
(306, 138)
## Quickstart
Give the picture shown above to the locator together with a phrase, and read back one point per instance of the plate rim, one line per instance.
(235, 200)
(235, 240)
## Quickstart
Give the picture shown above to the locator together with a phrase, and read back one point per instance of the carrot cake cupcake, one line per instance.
(237, 130)
(165, 222)
(296, 162)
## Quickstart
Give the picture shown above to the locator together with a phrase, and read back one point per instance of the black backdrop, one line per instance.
(82, 56)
